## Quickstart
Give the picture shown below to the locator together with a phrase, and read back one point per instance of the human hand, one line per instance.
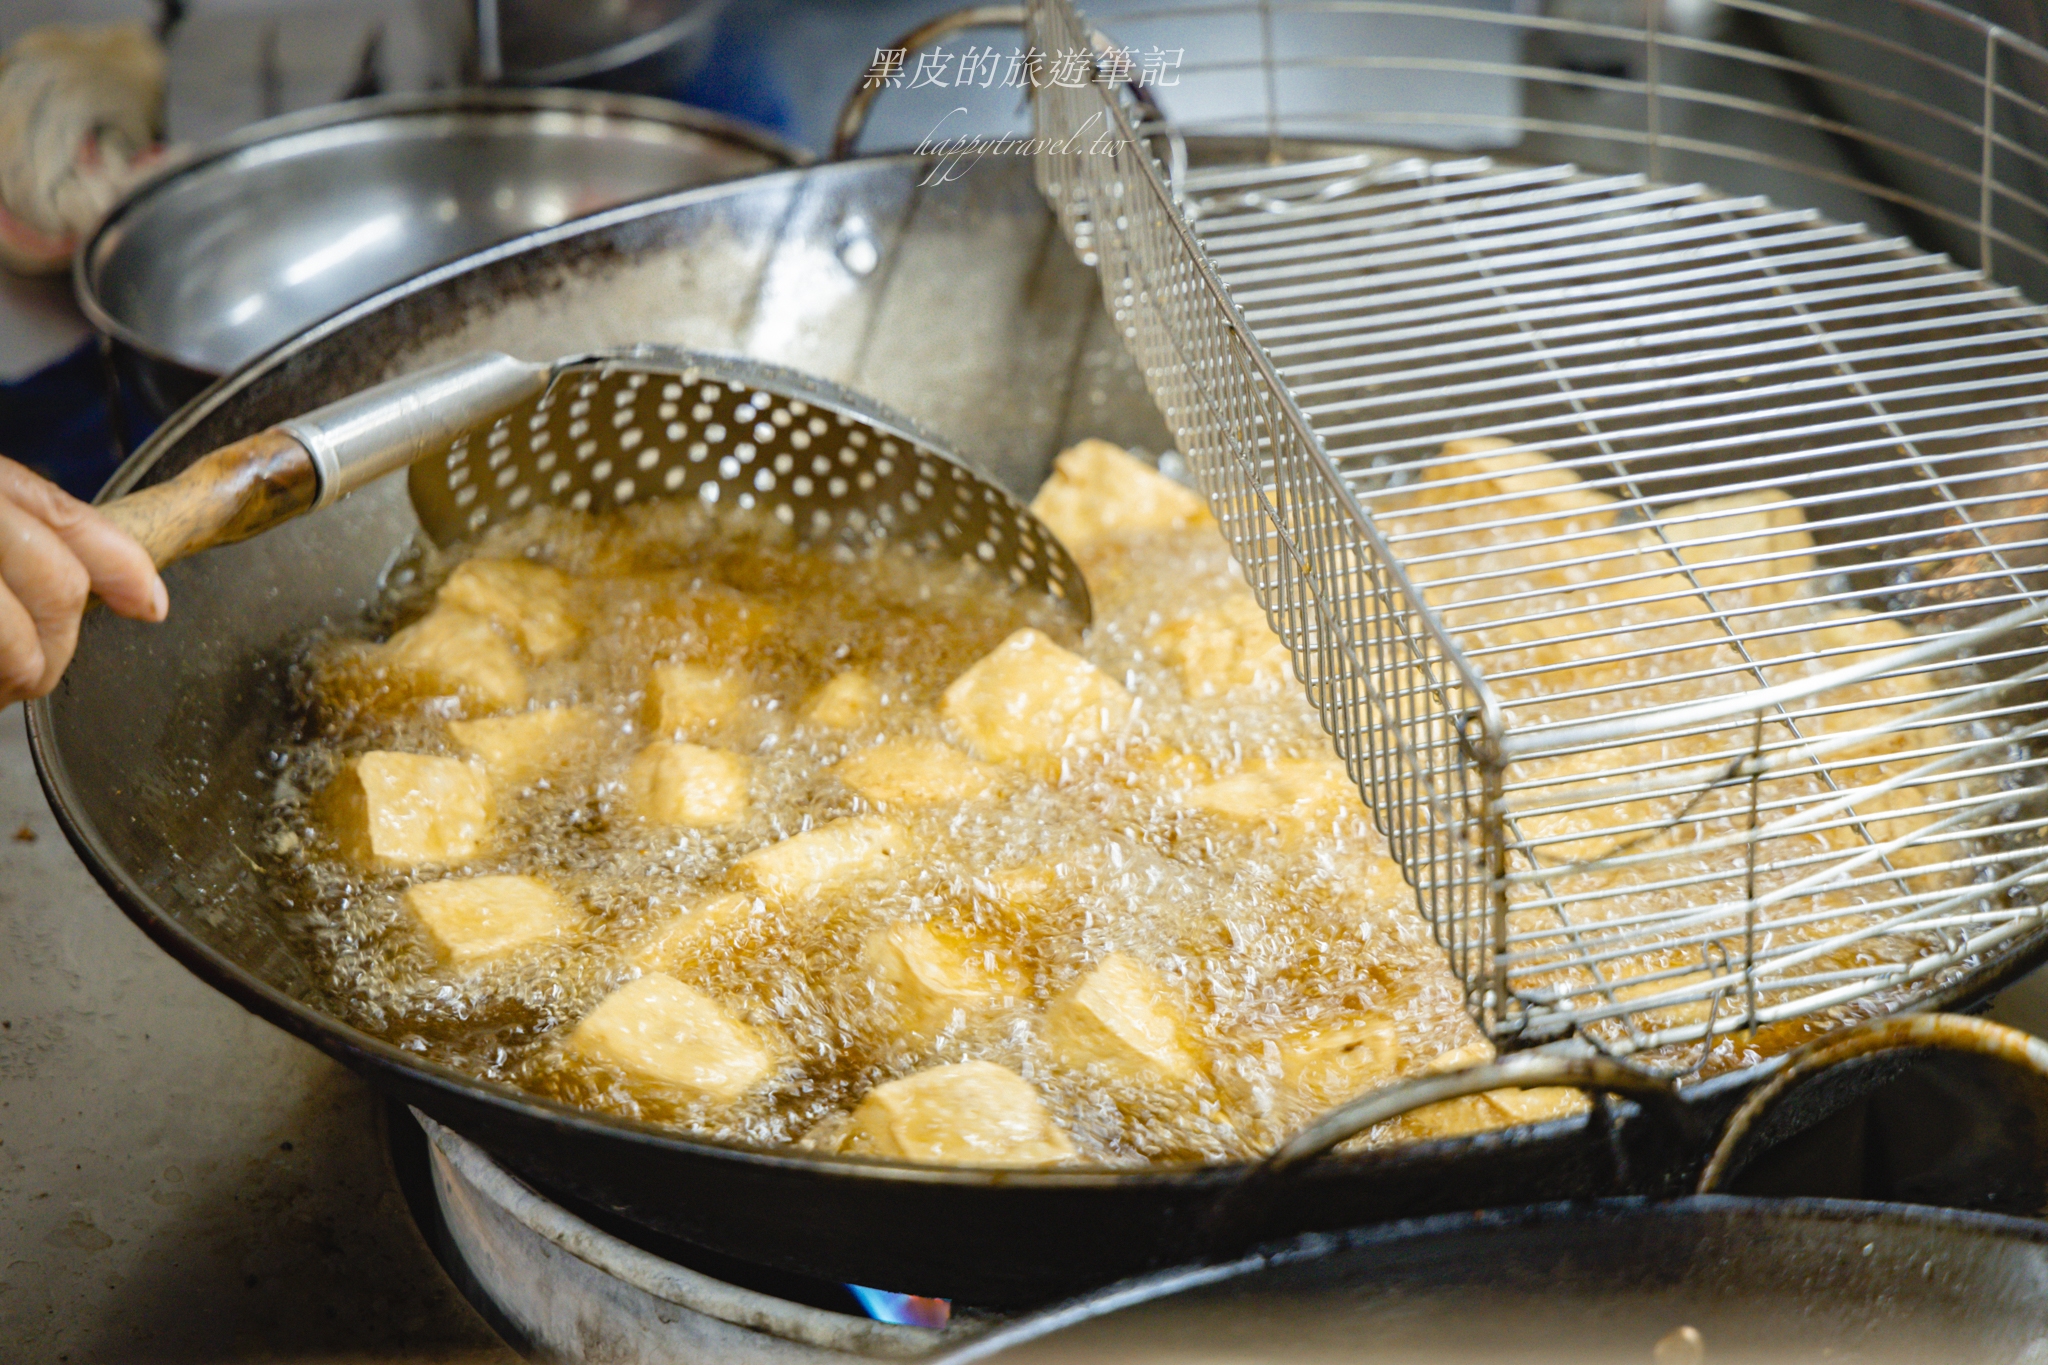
(55, 552)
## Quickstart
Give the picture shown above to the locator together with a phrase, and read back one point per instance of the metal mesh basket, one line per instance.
(1630, 420)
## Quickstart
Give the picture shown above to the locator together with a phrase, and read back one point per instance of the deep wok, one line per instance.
(957, 303)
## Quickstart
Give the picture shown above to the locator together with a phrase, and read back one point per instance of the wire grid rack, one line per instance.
(1664, 554)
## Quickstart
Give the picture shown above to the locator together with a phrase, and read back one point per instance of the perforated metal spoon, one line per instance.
(489, 437)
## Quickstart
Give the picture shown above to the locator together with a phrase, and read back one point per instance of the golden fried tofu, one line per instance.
(1097, 489)
(1485, 467)
(1028, 698)
(680, 940)
(672, 783)
(836, 852)
(1224, 646)
(934, 975)
(453, 651)
(1321, 1068)
(401, 810)
(529, 601)
(1755, 536)
(849, 701)
(685, 617)
(1120, 1020)
(967, 1113)
(671, 1036)
(476, 919)
(914, 772)
(689, 701)
(530, 744)
(1292, 796)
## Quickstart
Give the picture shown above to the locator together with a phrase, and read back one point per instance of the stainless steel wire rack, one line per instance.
(1630, 417)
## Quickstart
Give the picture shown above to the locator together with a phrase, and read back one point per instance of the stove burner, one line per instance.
(561, 1287)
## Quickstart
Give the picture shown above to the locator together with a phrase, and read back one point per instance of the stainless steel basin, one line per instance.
(258, 237)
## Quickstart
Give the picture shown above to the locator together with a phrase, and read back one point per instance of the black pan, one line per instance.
(957, 303)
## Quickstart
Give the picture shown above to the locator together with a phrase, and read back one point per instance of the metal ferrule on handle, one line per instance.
(370, 434)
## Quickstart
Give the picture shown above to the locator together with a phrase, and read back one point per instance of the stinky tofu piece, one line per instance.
(1322, 1068)
(693, 619)
(1225, 646)
(967, 1113)
(849, 701)
(1293, 796)
(683, 937)
(689, 701)
(451, 650)
(914, 772)
(1120, 1019)
(1756, 535)
(1533, 481)
(474, 919)
(529, 744)
(1096, 489)
(1028, 698)
(530, 601)
(687, 784)
(835, 852)
(399, 810)
(933, 975)
(669, 1035)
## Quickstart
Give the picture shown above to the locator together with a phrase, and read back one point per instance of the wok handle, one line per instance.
(1524, 1071)
(230, 495)
(1944, 1032)
(304, 464)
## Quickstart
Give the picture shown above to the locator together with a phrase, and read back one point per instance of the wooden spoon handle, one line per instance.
(221, 498)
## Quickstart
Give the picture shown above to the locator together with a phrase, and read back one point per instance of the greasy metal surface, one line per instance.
(629, 424)
(1755, 1280)
(179, 1181)
(1318, 329)
(259, 236)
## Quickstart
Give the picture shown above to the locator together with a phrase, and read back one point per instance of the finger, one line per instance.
(50, 586)
(119, 569)
(21, 652)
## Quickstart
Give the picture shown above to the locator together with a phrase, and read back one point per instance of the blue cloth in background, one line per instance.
(56, 422)
(737, 79)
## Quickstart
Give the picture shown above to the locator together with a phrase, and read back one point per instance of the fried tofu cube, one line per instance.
(401, 810)
(914, 772)
(688, 785)
(1120, 1021)
(1533, 481)
(849, 701)
(528, 601)
(519, 748)
(1322, 1068)
(681, 939)
(1028, 698)
(935, 975)
(450, 650)
(475, 919)
(1757, 535)
(689, 701)
(967, 1113)
(671, 1036)
(836, 852)
(1293, 796)
(1225, 646)
(1098, 489)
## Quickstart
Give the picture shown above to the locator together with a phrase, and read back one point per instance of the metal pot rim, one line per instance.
(87, 259)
